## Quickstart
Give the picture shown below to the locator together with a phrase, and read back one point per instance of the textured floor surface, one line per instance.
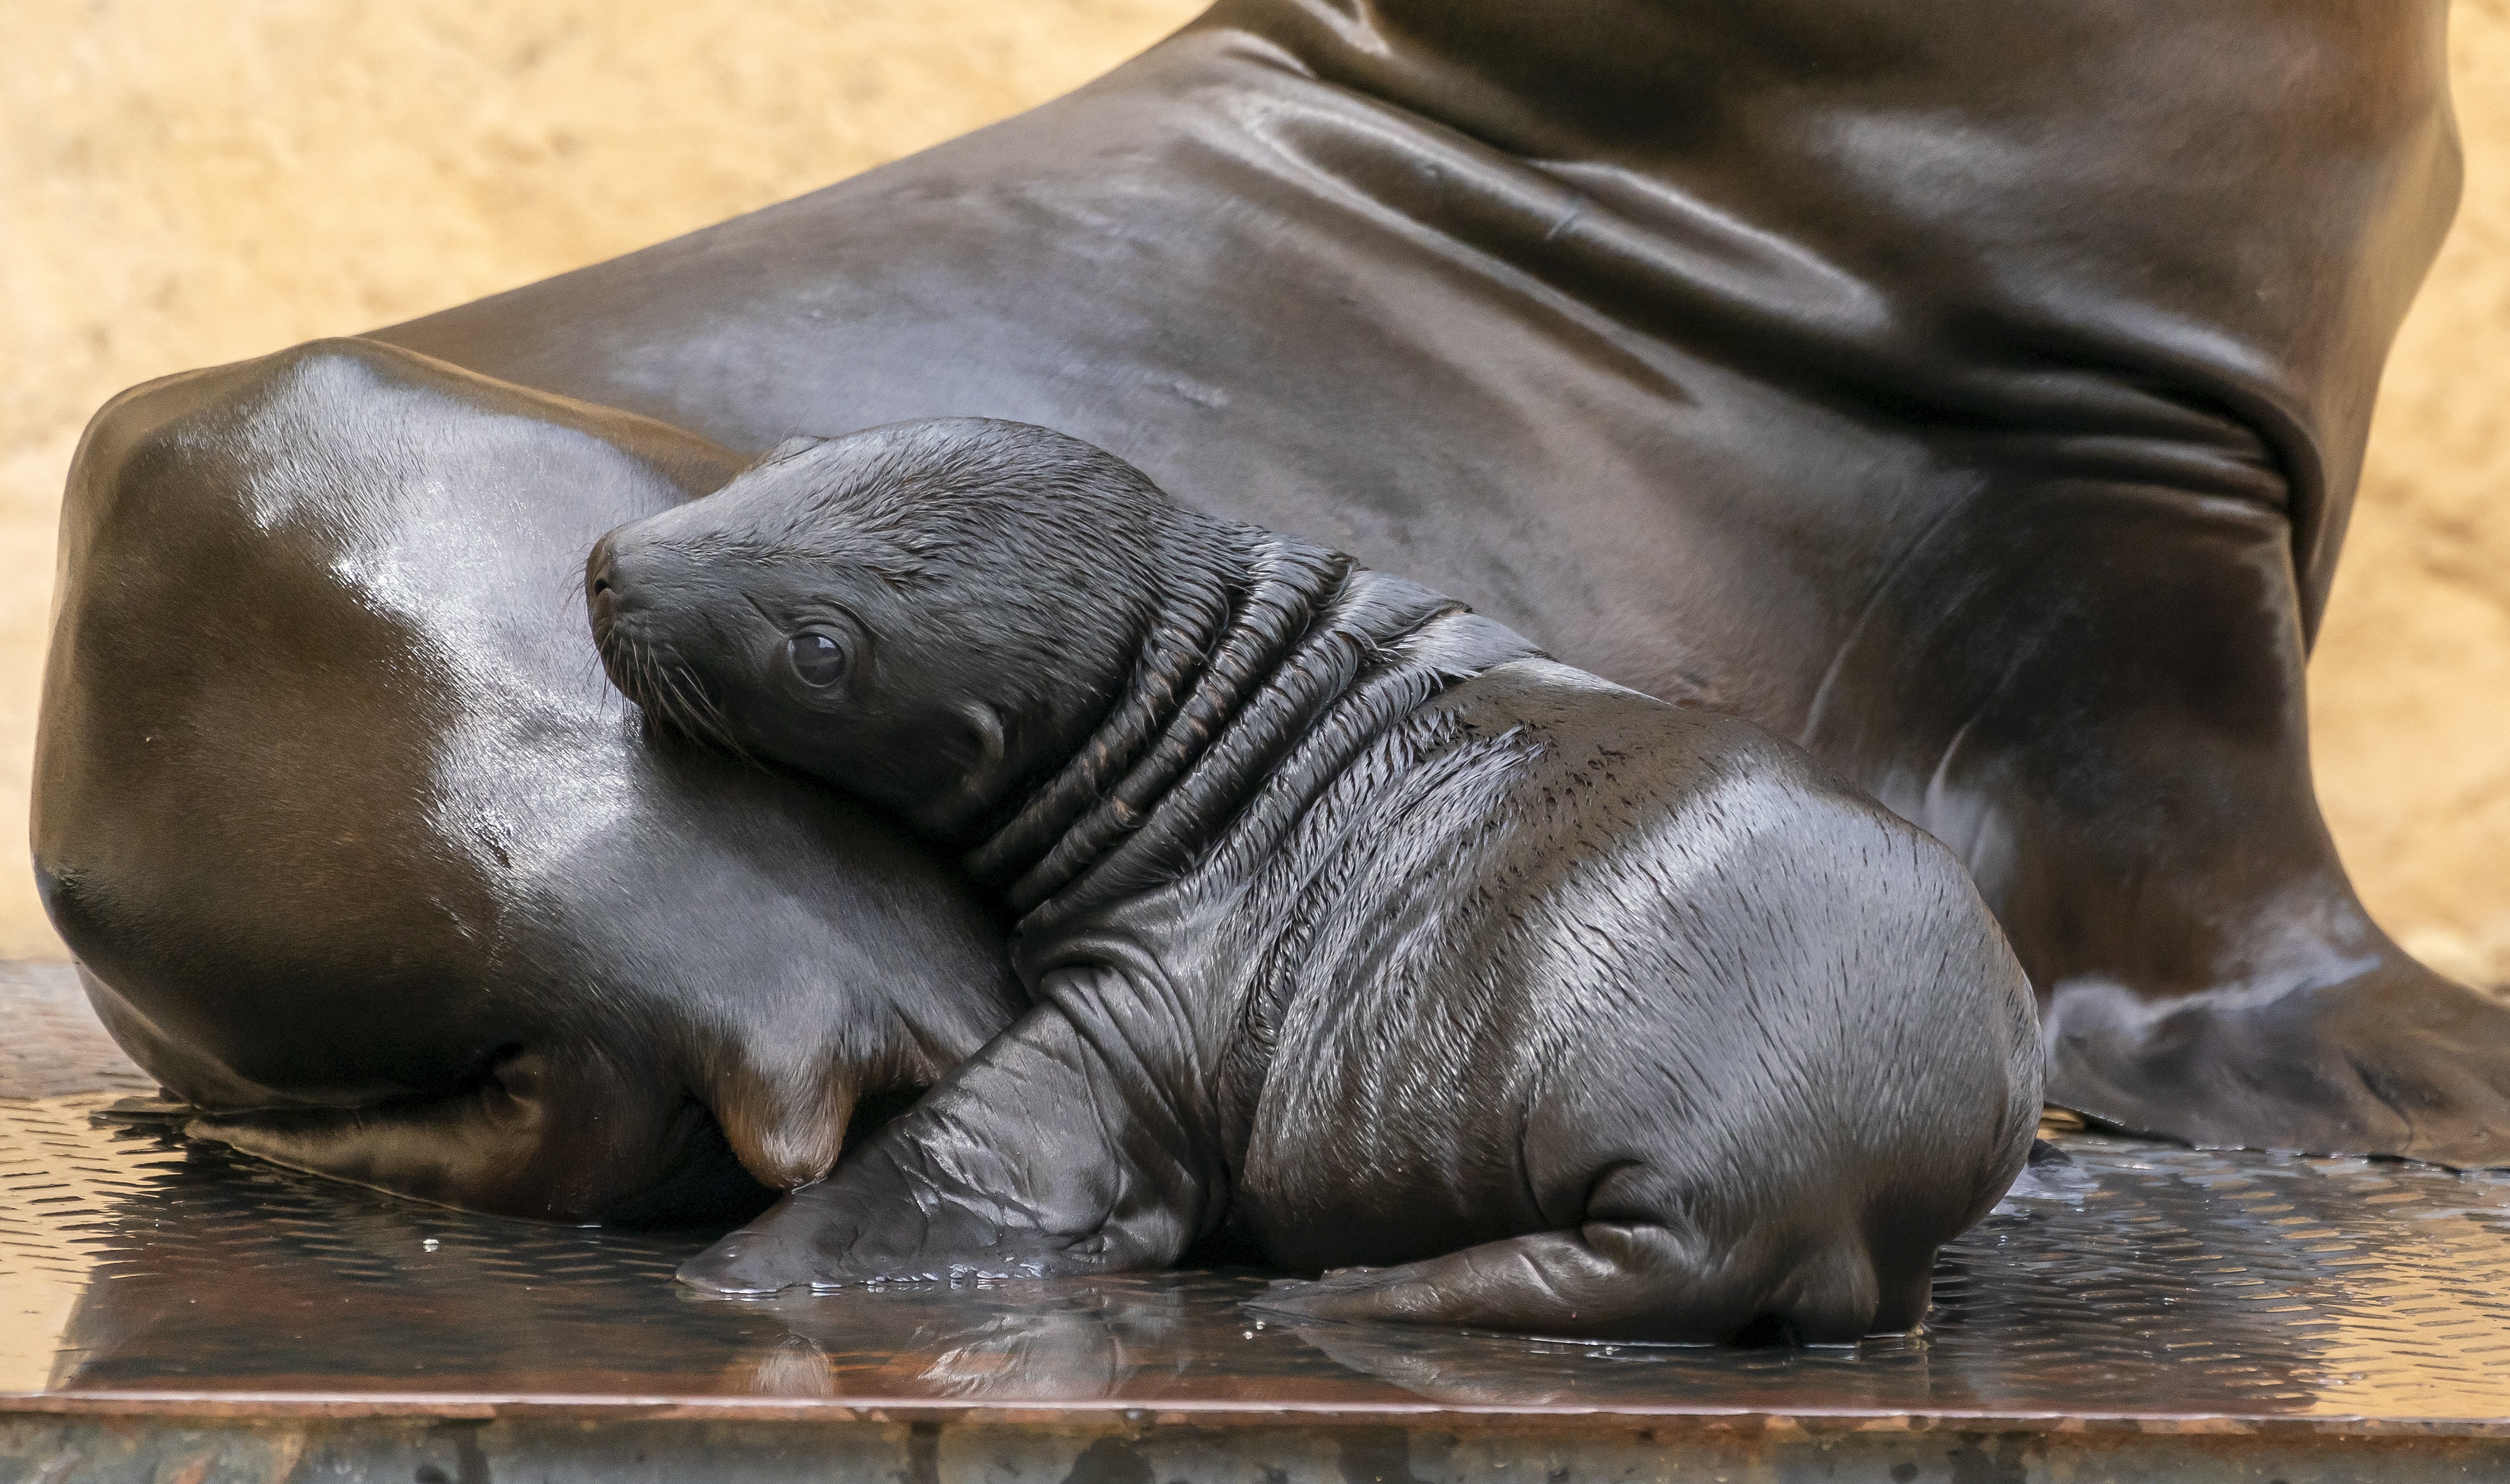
(2133, 1280)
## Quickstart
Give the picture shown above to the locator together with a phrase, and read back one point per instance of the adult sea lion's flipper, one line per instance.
(535, 1135)
(337, 812)
(1056, 1151)
(1611, 1281)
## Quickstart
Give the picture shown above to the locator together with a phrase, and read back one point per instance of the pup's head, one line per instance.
(928, 615)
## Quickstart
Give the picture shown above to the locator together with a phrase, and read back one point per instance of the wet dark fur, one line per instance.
(1360, 934)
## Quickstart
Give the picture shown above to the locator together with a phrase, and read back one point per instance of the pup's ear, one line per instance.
(982, 734)
(800, 442)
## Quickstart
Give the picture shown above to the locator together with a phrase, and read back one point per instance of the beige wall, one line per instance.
(187, 184)
(2409, 690)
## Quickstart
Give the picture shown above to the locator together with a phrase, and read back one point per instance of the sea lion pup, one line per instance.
(1361, 934)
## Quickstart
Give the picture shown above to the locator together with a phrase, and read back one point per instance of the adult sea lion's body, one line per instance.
(1971, 393)
(362, 859)
(1360, 933)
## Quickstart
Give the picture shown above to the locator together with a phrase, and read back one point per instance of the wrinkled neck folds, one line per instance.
(1283, 669)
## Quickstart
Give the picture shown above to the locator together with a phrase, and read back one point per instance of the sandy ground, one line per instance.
(187, 184)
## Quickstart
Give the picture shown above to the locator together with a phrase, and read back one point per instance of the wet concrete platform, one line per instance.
(172, 1312)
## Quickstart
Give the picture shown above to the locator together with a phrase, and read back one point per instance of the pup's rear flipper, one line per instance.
(1614, 1282)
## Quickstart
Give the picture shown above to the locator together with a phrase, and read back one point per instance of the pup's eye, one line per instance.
(816, 659)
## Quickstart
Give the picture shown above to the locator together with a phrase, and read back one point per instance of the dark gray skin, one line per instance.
(364, 860)
(1361, 935)
(1971, 393)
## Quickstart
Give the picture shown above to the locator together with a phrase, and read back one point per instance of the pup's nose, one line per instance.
(601, 571)
(605, 592)
(610, 582)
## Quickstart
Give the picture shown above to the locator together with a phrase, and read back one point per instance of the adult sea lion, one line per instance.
(1360, 931)
(362, 859)
(1972, 392)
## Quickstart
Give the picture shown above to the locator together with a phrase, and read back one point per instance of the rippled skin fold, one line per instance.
(1362, 937)
(1973, 395)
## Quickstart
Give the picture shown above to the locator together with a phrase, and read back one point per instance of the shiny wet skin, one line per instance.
(2137, 1280)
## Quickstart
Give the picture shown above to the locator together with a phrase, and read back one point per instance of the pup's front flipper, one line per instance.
(1611, 1280)
(1053, 1151)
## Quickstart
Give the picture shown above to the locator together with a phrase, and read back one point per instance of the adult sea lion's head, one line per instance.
(927, 615)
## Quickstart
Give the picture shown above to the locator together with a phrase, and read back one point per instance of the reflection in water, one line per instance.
(1092, 1342)
(1018, 1341)
(2144, 1279)
(795, 1367)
